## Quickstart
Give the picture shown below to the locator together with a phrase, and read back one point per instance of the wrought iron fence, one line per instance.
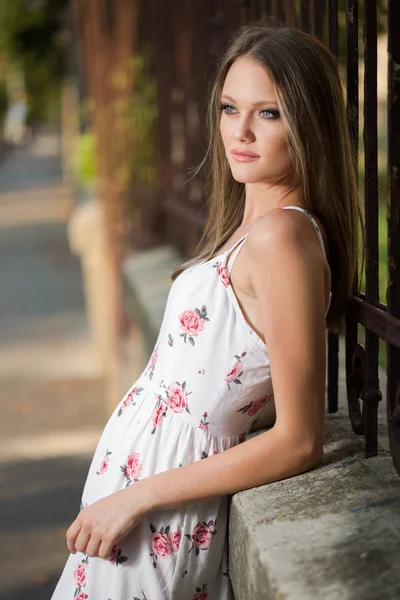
(183, 39)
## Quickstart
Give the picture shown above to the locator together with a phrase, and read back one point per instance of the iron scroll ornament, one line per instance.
(361, 387)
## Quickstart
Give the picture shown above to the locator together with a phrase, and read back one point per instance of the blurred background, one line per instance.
(102, 124)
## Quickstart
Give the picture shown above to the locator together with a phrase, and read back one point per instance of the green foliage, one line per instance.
(131, 116)
(30, 36)
(84, 159)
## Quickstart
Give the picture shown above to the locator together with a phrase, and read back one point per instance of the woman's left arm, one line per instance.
(265, 458)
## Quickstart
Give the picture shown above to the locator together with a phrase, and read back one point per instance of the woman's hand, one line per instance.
(105, 522)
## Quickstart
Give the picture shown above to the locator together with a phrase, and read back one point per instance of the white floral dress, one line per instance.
(205, 383)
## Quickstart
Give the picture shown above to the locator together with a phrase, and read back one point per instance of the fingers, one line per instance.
(72, 534)
(93, 546)
(105, 548)
(82, 541)
(80, 538)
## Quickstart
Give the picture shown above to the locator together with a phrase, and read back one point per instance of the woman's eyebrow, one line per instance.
(254, 104)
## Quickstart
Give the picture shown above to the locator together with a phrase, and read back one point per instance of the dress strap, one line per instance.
(321, 241)
(234, 251)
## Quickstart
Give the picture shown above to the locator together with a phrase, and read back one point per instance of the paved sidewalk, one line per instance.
(52, 400)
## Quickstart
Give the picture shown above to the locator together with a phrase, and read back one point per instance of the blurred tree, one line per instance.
(31, 37)
(109, 42)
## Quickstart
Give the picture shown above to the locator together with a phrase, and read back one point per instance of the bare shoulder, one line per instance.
(280, 224)
(287, 238)
(283, 229)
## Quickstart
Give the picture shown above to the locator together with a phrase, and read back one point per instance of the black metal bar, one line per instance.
(305, 15)
(371, 394)
(333, 26)
(317, 19)
(351, 320)
(279, 10)
(393, 290)
(333, 339)
(290, 13)
(376, 318)
(253, 10)
(266, 9)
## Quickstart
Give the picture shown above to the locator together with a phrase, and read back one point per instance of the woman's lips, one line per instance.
(244, 156)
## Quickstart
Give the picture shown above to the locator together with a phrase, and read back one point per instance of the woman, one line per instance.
(154, 513)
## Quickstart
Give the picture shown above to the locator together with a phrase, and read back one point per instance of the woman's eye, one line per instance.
(227, 108)
(274, 113)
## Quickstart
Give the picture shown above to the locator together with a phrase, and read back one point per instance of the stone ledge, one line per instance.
(332, 533)
(146, 280)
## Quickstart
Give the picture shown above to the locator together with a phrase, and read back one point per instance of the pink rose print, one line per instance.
(223, 273)
(80, 574)
(103, 466)
(256, 405)
(175, 540)
(201, 536)
(177, 397)
(131, 470)
(80, 577)
(237, 370)
(160, 544)
(204, 423)
(128, 400)
(152, 363)
(81, 596)
(116, 555)
(104, 463)
(163, 543)
(191, 322)
(154, 357)
(201, 593)
(159, 412)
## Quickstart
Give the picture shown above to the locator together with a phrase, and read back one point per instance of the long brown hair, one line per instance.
(311, 100)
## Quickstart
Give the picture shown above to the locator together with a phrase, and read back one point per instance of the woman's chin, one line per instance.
(246, 177)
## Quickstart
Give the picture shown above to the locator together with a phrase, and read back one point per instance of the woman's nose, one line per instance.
(243, 132)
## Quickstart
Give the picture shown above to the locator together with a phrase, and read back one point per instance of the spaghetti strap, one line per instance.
(234, 251)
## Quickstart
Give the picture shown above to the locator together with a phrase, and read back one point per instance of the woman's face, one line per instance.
(250, 123)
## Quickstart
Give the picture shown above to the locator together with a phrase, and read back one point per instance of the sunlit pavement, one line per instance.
(52, 406)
